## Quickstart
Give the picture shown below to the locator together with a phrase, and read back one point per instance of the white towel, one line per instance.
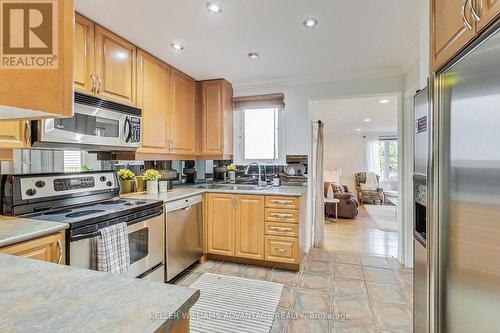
(110, 251)
(370, 183)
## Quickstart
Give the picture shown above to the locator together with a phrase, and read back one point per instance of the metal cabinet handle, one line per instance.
(27, 132)
(99, 86)
(59, 248)
(281, 250)
(474, 13)
(281, 215)
(467, 24)
(92, 76)
(282, 202)
(281, 229)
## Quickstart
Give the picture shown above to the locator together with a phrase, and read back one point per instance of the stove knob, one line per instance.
(103, 179)
(40, 183)
(109, 183)
(30, 192)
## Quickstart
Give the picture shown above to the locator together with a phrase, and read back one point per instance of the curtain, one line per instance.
(317, 184)
(372, 155)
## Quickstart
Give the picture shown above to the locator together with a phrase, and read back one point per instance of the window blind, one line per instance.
(259, 102)
(72, 160)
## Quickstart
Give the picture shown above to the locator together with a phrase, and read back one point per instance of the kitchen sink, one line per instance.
(234, 187)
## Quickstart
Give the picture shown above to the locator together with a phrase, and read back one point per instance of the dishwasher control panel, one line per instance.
(183, 203)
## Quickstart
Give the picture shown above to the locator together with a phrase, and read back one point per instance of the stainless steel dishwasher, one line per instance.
(183, 239)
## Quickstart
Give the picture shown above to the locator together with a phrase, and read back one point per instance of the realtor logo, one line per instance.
(28, 34)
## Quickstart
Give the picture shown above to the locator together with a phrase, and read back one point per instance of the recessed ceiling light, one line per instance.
(214, 7)
(358, 129)
(367, 120)
(310, 22)
(177, 46)
(384, 101)
(253, 55)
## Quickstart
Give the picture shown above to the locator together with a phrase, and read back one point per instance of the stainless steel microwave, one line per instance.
(97, 124)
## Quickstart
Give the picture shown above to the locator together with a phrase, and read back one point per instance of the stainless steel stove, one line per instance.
(88, 202)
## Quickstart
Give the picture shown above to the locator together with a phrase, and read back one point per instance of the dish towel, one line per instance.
(370, 183)
(110, 251)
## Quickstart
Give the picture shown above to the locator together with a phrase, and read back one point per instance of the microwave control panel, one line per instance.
(135, 130)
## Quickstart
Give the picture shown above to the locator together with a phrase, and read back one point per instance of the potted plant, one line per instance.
(151, 176)
(231, 170)
(127, 179)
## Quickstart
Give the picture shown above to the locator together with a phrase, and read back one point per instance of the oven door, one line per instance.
(145, 244)
(90, 126)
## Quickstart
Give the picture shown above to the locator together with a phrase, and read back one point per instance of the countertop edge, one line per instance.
(32, 235)
(183, 310)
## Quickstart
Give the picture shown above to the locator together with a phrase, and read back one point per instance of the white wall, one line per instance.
(346, 152)
(298, 95)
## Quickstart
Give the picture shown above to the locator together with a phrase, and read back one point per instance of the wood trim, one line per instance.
(6, 155)
(248, 261)
(88, 54)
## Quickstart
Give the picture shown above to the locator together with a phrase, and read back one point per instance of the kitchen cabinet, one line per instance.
(14, 134)
(217, 118)
(49, 248)
(44, 92)
(152, 98)
(489, 11)
(182, 113)
(238, 226)
(220, 224)
(452, 27)
(83, 63)
(249, 222)
(115, 67)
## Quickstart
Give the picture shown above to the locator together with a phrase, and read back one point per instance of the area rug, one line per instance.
(383, 216)
(233, 304)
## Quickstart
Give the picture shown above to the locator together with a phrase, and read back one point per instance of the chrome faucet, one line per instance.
(260, 182)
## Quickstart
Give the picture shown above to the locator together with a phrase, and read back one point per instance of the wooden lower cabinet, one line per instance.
(49, 248)
(237, 228)
(250, 226)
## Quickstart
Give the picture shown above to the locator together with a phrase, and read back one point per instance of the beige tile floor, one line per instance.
(333, 292)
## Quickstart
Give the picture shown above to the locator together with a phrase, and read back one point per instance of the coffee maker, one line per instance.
(190, 172)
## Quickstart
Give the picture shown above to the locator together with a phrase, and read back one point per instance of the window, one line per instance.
(388, 159)
(259, 131)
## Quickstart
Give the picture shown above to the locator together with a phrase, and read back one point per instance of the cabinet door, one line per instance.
(220, 224)
(448, 31)
(152, 94)
(83, 56)
(182, 113)
(14, 134)
(490, 10)
(212, 117)
(49, 248)
(250, 226)
(115, 67)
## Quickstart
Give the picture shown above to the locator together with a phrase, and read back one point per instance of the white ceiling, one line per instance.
(344, 116)
(353, 36)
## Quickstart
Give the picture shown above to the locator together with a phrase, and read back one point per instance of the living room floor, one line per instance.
(360, 235)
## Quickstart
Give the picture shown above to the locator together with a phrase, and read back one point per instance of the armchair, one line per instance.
(369, 197)
(347, 206)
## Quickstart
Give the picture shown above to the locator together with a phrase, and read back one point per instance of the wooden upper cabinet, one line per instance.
(152, 98)
(14, 134)
(489, 10)
(449, 33)
(220, 224)
(250, 226)
(84, 73)
(115, 65)
(32, 93)
(217, 118)
(182, 113)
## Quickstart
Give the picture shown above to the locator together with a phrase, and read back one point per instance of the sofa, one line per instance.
(347, 206)
(375, 197)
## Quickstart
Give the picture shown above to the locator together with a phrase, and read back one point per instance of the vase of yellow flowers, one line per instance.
(231, 171)
(151, 176)
(127, 180)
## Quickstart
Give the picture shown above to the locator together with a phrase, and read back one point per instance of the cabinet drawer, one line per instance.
(282, 229)
(282, 215)
(282, 202)
(282, 249)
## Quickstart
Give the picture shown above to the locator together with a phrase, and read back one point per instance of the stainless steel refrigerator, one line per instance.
(465, 218)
